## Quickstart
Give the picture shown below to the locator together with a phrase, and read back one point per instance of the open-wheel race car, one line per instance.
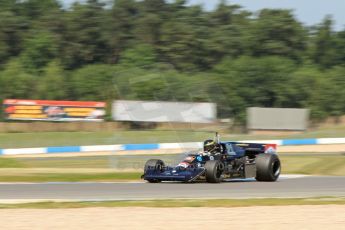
(218, 161)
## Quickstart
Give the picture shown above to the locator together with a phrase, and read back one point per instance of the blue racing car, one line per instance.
(218, 161)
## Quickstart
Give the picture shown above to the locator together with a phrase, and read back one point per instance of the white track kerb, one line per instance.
(138, 147)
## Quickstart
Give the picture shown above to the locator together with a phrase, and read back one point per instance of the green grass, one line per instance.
(43, 139)
(185, 203)
(314, 165)
(60, 162)
(22, 140)
(84, 162)
(110, 168)
(69, 177)
(10, 163)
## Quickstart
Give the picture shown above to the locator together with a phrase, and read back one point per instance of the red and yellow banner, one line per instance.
(17, 109)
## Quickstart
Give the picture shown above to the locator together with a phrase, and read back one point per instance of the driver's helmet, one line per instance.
(210, 146)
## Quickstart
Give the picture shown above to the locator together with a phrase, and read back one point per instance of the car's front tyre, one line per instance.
(156, 165)
(214, 171)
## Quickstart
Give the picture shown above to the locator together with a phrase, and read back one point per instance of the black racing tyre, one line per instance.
(268, 167)
(214, 171)
(157, 165)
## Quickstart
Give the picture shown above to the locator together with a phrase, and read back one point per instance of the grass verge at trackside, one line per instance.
(43, 139)
(71, 177)
(333, 165)
(227, 203)
(105, 168)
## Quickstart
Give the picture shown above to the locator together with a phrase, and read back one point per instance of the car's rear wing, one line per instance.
(257, 148)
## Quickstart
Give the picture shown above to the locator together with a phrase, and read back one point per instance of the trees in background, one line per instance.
(277, 32)
(166, 50)
(323, 45)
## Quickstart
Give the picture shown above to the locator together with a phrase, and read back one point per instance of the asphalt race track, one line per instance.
(310, 186)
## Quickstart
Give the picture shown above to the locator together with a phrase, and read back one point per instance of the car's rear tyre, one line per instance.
(268, 167)
(155, 164)
(214, 171)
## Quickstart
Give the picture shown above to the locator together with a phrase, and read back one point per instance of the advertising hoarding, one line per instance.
(48, 110)
(277, 118)
(161, 111)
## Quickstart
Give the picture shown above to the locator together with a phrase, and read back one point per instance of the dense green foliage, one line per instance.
(160, 50)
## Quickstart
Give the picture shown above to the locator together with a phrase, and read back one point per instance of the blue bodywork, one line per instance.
(174, 174)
